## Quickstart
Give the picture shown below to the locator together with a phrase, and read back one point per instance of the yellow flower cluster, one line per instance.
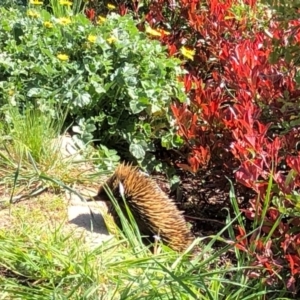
(63, 57)
(188, 53)
(101, 20)
(92, 38)
(111, 39)
(64, 21)
(111, 6)
(32, 13)
(48, 24)
(65, 2)
(36, 2)
(11, 92)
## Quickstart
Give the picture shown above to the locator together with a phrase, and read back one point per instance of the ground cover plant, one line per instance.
(225, 98)
(104, 76)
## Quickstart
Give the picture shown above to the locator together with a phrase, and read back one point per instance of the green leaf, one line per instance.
(98, 88)
(137, 151)
(36, 92)
(147, 129)
(82, 99)
(90, 127)
(136, 107)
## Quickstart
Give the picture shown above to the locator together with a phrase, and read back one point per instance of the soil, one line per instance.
(204, 196)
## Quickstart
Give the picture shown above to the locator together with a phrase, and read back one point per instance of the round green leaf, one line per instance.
(137, 151)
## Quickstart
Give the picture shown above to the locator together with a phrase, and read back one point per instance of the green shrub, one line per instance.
(116, 83)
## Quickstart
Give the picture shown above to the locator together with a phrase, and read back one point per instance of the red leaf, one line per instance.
(294, 163)
(90, 13)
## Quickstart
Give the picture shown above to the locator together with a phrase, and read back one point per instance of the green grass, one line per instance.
(40, 259)
(34, 132)
(32, 158)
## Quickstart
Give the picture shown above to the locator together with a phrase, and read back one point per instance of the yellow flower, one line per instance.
(152, 32)
(101, 20)
(111, 39)
(36, 2)
(65, 2)
(188, 53)
(63, 57)
(64, 21)
(32, 13)
(11, 92)
(92, 38)
(48, 24)
(111, 6)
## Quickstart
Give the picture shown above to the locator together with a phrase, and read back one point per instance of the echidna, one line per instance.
(153, 211)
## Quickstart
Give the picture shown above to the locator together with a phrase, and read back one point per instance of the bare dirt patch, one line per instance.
(50, 211)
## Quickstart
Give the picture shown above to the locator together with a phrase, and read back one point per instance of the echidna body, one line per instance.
(153, 211)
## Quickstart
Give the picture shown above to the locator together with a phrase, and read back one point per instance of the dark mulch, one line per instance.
(204, 197)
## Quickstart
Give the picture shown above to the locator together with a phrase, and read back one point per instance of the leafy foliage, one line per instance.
(244, 112)
(115, 82)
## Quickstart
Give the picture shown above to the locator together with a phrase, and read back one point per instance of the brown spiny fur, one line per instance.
(153, 211)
